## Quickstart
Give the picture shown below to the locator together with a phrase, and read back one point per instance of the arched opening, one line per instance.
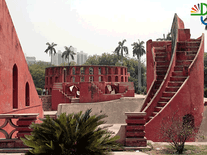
(15, 87)
(100, 78)
(122, 79)
(125, 71)
(188, 120)
(64, 74)
(56, 79)
(116, 70)
(82, 79)
(109, 70)
(50, 92)
(125, 79)
(90, 78)
(82, 70)
(50, 80)
(109, 78)
(68, 70)
(116, 79)
(106, 70)
(111, 89)
(122, 71)
(73, 70)
(73, 79)
(90, 70)
(27, 100)
(99, 70)
(74, 91)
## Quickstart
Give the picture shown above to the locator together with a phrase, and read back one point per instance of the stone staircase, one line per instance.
(59, 87)
(162, 64)
(185, 54)
(75, 100)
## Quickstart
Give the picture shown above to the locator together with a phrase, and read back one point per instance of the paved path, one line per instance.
(114, 153)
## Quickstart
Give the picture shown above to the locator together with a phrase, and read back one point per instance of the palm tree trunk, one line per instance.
(68, 61)
(139, 75)
(51, 59)
(122, 56)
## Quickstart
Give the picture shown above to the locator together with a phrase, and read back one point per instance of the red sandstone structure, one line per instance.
(175, 83)
(86, 84)
(19, 100)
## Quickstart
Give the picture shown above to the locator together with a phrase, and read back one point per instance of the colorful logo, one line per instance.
(198, 10)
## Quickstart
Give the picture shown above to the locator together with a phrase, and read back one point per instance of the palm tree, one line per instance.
(69, 51)
(138, 50)
(51, 49)
(77, 134)
(165, 39)
(121, 48)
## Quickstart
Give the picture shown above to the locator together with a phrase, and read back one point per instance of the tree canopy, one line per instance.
(37, 70)
(69, 52)
(51, 49)
(130, 63)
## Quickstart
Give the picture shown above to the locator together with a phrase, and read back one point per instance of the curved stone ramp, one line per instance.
(115, 109)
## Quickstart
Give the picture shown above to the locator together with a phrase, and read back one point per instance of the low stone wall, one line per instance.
(114, 109)
(46, 102)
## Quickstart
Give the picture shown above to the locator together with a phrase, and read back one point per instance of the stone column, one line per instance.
(135, 129)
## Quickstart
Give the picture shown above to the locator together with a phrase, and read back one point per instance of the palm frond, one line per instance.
(72, 57)
(126, 49)
(46, 50)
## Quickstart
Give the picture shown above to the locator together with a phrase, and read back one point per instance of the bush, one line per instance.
(39, 91)
(75, 134)
(177, 130)
(205, 92)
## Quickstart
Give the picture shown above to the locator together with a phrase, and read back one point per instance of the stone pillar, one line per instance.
(135, 129)
(23, 124)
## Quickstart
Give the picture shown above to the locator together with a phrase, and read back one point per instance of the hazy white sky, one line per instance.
(96, 26)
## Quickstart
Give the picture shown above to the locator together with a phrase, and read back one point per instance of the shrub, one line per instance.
(39, 91)
(205, 92)
(177, 130)
(74, 134)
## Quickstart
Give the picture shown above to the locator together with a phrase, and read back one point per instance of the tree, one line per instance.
(72, 63)
(165, 39)
(177, 130)
(37, 70)
(130, 63)
(138, 50)
(121, 48)
(51, 49)
(69, 51)
(92, 60)
(75, 134)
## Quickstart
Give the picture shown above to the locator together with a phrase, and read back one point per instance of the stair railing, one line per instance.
(174, 33)
(197, 54)
(149, 94)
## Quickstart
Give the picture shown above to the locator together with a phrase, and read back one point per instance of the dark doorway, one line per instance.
(15, 87)
(27, 103)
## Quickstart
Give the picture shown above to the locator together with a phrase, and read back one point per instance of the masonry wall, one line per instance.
(114, 109)
(189, 98)
(46, 102)
(17, 90)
